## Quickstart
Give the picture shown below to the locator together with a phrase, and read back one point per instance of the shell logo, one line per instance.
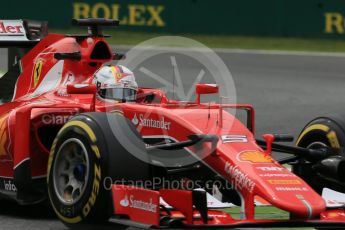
(3, 135)
(255, 157)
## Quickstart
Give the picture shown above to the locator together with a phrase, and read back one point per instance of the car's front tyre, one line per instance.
(322, 132)
(86, 158)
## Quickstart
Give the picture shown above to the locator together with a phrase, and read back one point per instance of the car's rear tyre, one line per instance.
(86, 158)
(320, 132)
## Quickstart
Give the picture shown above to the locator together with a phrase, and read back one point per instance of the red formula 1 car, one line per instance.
(151, 163)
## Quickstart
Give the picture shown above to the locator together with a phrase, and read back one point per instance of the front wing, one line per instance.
(142, 208)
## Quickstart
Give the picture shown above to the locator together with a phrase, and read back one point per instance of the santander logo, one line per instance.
(131, 202)
(11, 28)
(151, 123)
(135, 120)
(124, 202)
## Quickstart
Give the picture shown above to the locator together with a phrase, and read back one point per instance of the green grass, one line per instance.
(236, 42)
(261, 212)
(264, 212)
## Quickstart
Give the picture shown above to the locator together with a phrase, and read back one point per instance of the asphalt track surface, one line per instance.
(286, 90)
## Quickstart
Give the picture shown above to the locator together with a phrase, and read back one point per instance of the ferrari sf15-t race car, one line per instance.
(97, 161)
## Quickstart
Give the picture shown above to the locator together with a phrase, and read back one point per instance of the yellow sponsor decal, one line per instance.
(95, 191)
(321, 127)
(83, 126)
(37, 72)
(51, 157)
(284, 181)
(3, 135)
(333, 140)
(96, 150)
(334, 23)
(331, 135)
(130, 15)
(255, 157)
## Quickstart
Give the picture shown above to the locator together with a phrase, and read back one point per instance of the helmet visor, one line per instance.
(118, 94)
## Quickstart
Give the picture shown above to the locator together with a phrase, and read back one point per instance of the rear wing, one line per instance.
(18, 37)
(21, 33)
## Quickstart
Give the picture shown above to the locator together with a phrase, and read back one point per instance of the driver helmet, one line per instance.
(116, 82)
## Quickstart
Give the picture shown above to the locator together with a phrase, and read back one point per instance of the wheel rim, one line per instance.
(317, 145)
(71, 171)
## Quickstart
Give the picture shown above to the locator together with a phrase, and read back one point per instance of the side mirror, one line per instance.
(76, 56)
(118, 56)
(81, 89)
(205, 89)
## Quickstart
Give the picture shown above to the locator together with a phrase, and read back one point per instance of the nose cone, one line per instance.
(308, 205)
(256, 173)
(290, 193)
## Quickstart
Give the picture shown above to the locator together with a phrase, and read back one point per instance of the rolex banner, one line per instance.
(293, 18)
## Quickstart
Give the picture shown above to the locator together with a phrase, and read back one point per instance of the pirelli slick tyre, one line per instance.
(320, 132)
(85, 159)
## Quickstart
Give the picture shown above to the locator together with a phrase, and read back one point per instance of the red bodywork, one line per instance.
(41, 105)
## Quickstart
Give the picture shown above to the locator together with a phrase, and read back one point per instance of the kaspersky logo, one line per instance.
(131, 202)
(151, 123)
